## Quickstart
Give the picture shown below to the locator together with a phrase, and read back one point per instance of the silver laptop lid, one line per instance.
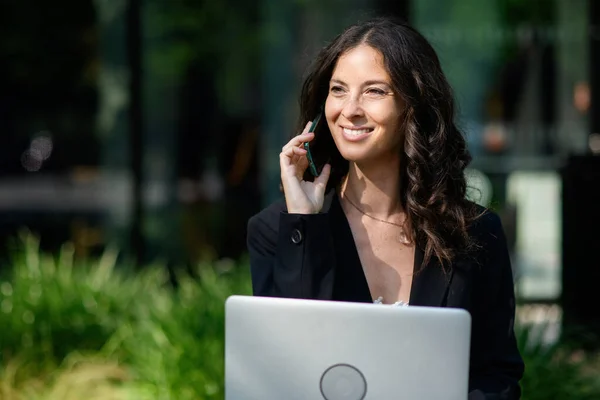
(305, 349)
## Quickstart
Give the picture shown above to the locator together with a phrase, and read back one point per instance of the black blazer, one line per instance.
(315, 257)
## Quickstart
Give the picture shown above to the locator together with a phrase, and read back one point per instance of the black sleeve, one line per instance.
(496, 364)
(291, 255)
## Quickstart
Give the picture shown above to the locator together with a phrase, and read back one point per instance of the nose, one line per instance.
(352, 108)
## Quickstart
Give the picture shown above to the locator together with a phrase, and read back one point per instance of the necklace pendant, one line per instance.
(402, 238)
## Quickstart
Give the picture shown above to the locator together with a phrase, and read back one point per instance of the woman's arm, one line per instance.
(496, 364)
(290, 246)
(291, 255)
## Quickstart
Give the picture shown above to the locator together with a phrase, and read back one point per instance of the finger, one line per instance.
(295, 159)
(323, 176)
(301, 164)
(300, 151)
(293, 156)
(286, 155)
(292, 169)
(304, 136)
(289, 152)
(305, 130)
(297, 141)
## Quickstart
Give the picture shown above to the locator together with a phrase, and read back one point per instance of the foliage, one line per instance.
(556, 370)
(92, 329)
(66, 323)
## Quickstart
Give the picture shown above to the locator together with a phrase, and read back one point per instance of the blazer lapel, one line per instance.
(328, 200)
(350, 278)
(429, 286)
(430, 283)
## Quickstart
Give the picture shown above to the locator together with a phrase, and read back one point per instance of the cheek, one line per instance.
(387, 112)
(387, 117)
(332, 110)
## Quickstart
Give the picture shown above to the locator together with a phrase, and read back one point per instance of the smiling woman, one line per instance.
(387, 219)
(363, 113)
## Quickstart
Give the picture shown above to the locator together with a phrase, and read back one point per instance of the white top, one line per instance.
(397, 304)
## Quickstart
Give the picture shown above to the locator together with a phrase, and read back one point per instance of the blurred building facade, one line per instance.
(155, 125)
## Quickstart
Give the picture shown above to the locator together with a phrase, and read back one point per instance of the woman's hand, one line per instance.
(301, 197)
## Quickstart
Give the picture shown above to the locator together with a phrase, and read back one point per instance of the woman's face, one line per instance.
(362, 111)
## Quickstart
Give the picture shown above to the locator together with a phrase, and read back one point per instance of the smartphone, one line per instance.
(311, 163)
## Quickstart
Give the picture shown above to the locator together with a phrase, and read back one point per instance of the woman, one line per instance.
(386, 218)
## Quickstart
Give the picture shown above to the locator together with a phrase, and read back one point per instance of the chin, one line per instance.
(369, 154)
(357, 155)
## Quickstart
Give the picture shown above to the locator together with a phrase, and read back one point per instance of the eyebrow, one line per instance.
(367, 83)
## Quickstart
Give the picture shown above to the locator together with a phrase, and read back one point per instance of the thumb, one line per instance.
(322, 179)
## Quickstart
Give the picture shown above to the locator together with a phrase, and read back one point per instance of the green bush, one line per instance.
(556, 370)
(63, 319)
(75, 330)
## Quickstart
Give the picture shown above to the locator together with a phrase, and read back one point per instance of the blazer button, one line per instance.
(296, 236)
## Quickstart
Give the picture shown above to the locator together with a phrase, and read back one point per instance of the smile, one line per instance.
(356, 134)
(349, 131)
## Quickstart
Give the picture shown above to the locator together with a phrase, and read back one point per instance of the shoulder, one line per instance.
(487, 226)
(489, 246)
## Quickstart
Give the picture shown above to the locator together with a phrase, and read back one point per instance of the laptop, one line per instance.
(292, 349)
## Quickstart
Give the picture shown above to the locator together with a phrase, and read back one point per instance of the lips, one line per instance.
(355, 134)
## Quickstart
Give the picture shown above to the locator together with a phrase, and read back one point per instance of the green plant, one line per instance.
(556, 370)
(78, 377)
(177, 349)
(92, 329)
(162, 342)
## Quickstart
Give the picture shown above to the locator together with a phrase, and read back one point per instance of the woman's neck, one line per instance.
(374, 188)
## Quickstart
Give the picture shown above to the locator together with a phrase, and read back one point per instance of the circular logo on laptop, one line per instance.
(343, 382)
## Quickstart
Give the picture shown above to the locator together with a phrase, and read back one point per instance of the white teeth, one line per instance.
(356, 132)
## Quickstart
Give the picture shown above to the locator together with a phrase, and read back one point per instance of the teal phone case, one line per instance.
(311, 163)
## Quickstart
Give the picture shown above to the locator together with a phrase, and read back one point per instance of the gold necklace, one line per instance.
(403, 237)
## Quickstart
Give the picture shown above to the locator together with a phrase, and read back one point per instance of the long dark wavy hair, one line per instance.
(434, 154)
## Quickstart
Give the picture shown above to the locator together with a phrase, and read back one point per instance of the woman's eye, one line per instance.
(336, 90)
(376, 91)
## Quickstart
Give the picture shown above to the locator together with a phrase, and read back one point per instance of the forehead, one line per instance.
(360, 64)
